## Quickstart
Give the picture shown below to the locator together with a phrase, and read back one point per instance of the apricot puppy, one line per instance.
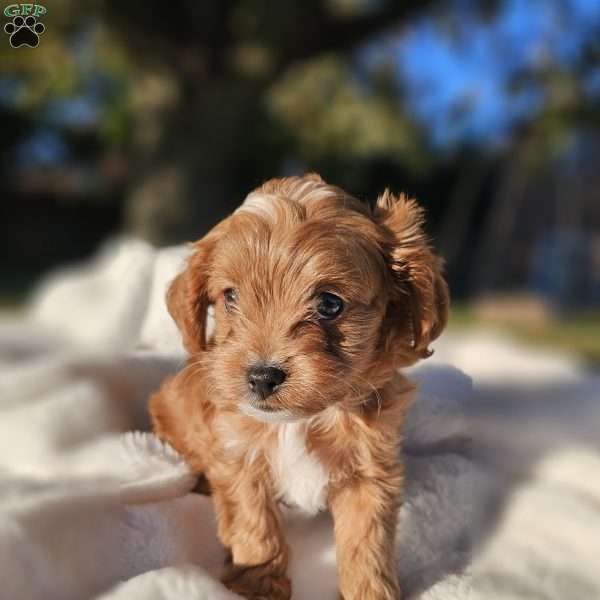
(295, 398)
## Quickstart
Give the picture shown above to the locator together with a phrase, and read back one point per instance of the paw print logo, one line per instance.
(24, 32)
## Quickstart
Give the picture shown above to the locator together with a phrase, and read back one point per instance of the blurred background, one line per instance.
(156, 118)
(153, 119)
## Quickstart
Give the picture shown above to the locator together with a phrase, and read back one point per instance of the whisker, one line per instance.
(361, 400)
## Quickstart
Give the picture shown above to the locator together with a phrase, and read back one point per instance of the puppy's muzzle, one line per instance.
(264, 381)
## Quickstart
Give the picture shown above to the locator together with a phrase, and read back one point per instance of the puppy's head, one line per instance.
(317, 299)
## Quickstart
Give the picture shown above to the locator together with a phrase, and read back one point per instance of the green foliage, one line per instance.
(57, 70)
(328, 113)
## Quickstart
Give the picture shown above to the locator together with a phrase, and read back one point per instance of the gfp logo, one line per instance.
(24, 29)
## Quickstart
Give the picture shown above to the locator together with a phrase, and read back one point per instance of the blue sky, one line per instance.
(457, 85)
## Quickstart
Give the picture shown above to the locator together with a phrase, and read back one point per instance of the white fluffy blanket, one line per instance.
(501, 499)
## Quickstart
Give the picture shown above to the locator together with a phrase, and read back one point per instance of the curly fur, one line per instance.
(331, 434)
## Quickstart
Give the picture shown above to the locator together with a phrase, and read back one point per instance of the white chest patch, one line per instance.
(300, 479)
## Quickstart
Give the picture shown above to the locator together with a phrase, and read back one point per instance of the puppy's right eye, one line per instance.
(230, 296)
(329, 306)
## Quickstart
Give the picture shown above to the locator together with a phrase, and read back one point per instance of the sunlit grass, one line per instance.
(578, 333)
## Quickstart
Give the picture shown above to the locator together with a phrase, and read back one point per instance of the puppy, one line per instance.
(295, 398)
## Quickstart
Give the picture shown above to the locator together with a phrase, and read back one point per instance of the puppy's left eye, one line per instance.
(230, 296)
(329, 306)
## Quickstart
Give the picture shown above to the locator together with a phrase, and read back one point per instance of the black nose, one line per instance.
(263, 381)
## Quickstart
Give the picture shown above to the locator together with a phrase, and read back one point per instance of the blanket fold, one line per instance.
(94, 506)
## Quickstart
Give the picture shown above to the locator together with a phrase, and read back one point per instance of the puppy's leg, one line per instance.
(166, 412)
(172, 414)
(365, 514)
(249, 525)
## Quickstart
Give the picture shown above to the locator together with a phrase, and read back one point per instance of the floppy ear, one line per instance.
(187, 296)
(418, 308)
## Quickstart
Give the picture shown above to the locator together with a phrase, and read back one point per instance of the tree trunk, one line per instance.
(188, 159)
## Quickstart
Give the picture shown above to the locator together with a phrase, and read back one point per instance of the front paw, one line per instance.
(373, 590)
(257, 583)
(397, 596)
